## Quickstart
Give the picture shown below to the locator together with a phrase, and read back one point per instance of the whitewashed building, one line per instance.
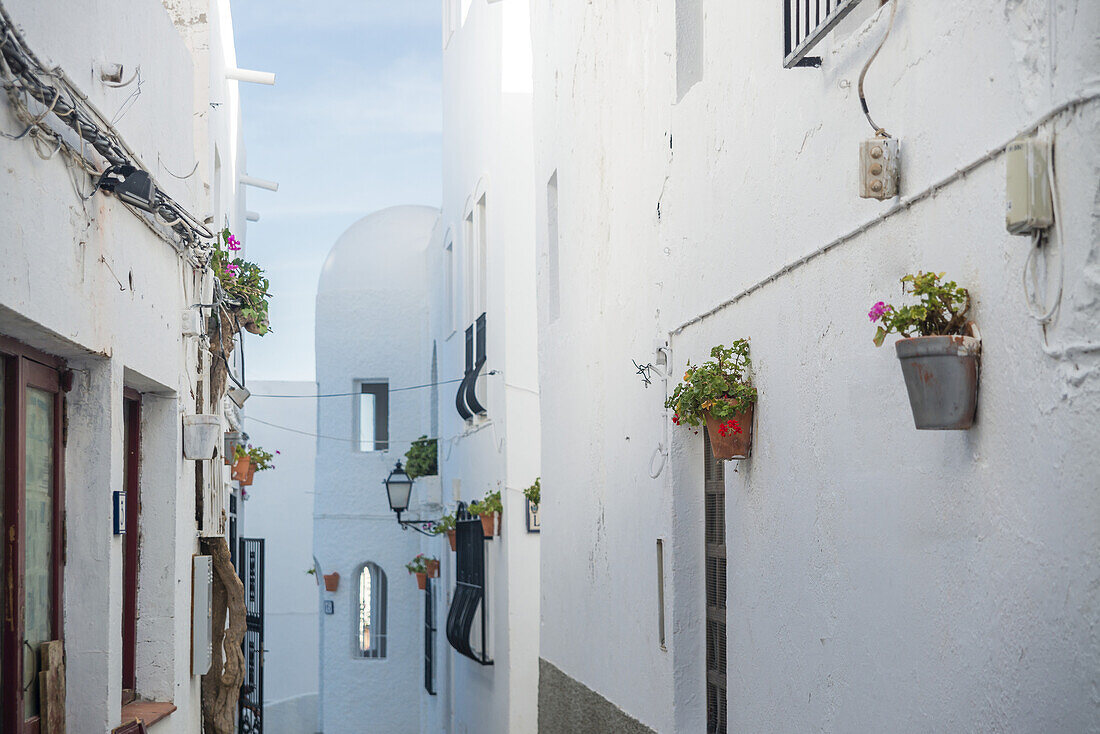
(484, 325)
(103, 353)
(371, 337)
(863, 575)
(441, 302)
(278, 508)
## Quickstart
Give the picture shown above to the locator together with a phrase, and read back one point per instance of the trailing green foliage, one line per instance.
(261, 460)
(243, 282)
(941, 310)
(421, 458)
(534, 492)
(721, 386)
(487, 506)
(447, 522)
(419, 564)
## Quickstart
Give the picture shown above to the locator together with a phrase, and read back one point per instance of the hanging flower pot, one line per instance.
(940, 365)
(451, 538)
(488, 509)
(719, 393)
(332, 581)
(421, 580)
(488, 524)
(246, 480)
(200, 436)
(941, 376)
(433, 568)
(730, 437)
(241, 467)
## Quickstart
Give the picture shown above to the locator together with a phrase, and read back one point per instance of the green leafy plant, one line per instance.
(421, 458)
(534, 492)
(721, 386)
(447, 522)
(261, 460)
(243, 282)
(418, 564)
(941, 310)
(487, 506)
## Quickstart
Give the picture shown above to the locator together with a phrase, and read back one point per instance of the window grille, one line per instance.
(805, 23)
(371, 620)
(714, 492)
(466, 400)
(467, 619)
(429, 638)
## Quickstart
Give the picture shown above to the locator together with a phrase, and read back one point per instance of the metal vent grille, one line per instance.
(714, 492)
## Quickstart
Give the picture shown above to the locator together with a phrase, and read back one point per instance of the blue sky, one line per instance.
(352, 125)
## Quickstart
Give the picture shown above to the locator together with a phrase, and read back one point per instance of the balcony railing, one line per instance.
(805, 23)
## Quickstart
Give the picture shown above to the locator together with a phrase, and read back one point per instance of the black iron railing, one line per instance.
(466, 401)
(805, 23)
(469, 606)
(250, 705)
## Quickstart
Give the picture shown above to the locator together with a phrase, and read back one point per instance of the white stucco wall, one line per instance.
(879, 577)
(90, 282)
(371, 325)
(278, 509)
(487, 151)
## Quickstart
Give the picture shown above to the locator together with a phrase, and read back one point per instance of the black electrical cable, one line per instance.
(27, 69)
(392, 389)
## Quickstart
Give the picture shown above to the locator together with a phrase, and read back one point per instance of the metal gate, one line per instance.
(250, 705)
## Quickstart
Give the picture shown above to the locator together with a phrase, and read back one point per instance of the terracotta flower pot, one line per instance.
(488, 524)
(433, 569)
(941, 376)
(733, 445)
(332, 581)
(421, 581)
(241, 466)
(246, 480)
(451, 538)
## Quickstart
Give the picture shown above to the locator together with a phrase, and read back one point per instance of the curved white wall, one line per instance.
(371, 324)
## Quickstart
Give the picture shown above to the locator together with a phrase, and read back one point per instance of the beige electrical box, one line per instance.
(1027, 188)
(879, 161)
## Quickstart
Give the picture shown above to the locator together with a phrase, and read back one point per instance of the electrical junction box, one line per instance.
(202, 613)
(879, 163)
(1027, 186)
(191, 322)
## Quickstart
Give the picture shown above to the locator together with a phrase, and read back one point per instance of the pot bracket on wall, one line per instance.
(469, 593)
(466, 399)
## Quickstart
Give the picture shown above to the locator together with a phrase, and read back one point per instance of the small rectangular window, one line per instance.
(553, 276)
(482, 260)
(373, 416)
(449, 306)
(470, 257)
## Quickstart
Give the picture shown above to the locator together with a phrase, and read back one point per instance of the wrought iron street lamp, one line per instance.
(398, 490)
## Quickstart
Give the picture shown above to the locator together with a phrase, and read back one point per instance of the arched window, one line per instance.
(370, 631)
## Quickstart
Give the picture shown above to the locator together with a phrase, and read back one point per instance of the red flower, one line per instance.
(730, 426)
(676, 418)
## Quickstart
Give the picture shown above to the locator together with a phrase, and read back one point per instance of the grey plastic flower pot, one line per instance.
(941, 375)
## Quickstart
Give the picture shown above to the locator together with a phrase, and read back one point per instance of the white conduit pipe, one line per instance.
(248, 75)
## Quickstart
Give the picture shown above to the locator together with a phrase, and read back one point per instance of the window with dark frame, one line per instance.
(714, 492)
(130, 477)
(374, 416)
(32, 460)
